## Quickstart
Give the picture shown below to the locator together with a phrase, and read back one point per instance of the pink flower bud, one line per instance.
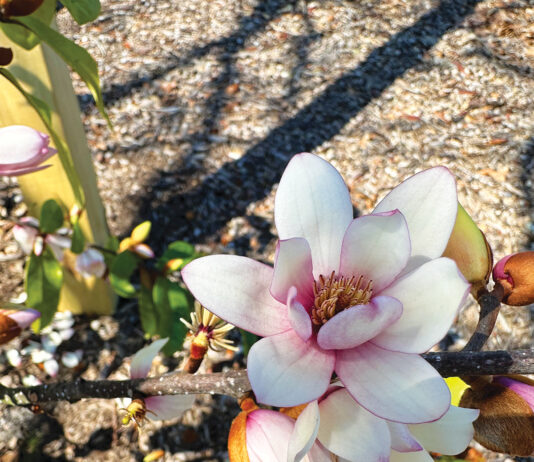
(13, 321)
(515, 274)
(22, 150)
(25, 233)
(91, 263)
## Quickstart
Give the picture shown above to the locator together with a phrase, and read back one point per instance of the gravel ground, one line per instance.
(210, 99)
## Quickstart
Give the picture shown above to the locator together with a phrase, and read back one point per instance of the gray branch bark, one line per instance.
(236, 384)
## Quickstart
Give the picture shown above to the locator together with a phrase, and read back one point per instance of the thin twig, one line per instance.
(236, 384)
(490, 303)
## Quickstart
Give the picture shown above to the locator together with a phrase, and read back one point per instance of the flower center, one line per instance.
(336, 293)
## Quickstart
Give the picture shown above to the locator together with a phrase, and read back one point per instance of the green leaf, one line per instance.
(83, 11)
(44, 112)
(75, 56)
(24, 37)
(44, 277)
(51, 217)
(78, 239)
(147, 312)
(248, 340)
(121, 270)
(177, 250)
(172, 302)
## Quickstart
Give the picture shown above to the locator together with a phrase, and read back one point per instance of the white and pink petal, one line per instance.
(293, 267)
(401, 438)
(286, 371)
(431, 296)
(377, 247)
(429, 202)
(142, 360)
(419, 456)
(449, 435)
(236, 289)
(298, 316)
(313, 202)
(358, 324)
(350, 431)
(168, 407)
(304, 433)
(396, 386)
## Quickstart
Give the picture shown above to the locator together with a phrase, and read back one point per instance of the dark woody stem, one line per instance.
(490, 303)
(236, 384)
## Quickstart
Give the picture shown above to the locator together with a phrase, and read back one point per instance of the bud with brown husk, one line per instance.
(470, 250)
(10, 8)
(237, 438)
(506, 421)
(515, 274)
(6, 56)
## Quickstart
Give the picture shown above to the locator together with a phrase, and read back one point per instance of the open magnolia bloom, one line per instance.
(26, 233)
(337, 428)
(359, 297)
(158, 407)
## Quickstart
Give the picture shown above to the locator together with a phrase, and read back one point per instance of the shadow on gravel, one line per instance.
(263, 14)
(204, 210)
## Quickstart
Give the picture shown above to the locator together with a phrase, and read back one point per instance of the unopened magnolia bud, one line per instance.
(237, 438)
(6, 56)
(468, 247)
(515, 274)
(506, 421)
(91, 263)
(140, 232)
(13, 321)
(19, 7)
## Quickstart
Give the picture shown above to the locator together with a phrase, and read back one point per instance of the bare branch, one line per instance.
(236, 384)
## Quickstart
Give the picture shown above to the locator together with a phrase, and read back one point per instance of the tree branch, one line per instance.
(236, 384)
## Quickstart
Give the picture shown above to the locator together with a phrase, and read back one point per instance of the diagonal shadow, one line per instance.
(261, 16)
(220, 197)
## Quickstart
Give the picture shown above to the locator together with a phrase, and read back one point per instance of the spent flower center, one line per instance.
(334, 293)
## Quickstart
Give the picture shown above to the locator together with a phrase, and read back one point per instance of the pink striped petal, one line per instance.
(358, 324)
(401, 438)
(168, 407)
(449, 435)
(429, 203)
(349, 431)
(313, 202)
(431, 296)
(293, 267)
(267, 435)
(419, 456)
(304, 433)
(237, 290)
(377, 247)
(142, 360)
(298, 316)
(396, 386)
(285, 371)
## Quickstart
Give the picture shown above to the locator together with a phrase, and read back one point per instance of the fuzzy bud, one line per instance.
(6, 56)
(506, 421)
(468, 247)
(515, 274)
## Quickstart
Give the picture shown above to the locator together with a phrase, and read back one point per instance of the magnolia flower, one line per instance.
(337, 428)
(22, 150)
(158, 407)
(91, 263)
(26, 233)
(359, 297)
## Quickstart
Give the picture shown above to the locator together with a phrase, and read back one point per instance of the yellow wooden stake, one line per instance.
(42, 73)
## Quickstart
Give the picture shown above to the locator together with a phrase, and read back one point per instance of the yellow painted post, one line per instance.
(45, 75)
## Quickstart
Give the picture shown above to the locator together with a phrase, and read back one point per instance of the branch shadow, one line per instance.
(221, 196)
